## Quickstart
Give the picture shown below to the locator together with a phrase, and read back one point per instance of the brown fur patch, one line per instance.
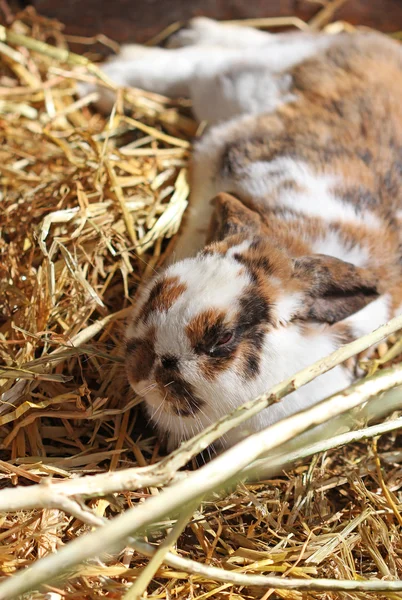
(231, 217)
(140, 357)
(221, 247)
(162, 296)
(263, 260)
(205, 328)
(211, 367)
(343, 333)
(396, 298)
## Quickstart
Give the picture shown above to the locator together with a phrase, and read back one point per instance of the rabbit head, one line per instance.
(217, 330)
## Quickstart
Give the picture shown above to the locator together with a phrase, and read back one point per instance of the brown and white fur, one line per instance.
(304, 253)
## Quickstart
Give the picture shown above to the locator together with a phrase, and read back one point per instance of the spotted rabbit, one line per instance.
(300, 250)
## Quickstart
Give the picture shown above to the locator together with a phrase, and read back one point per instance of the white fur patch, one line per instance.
(261, 179)
(285, 352)
(243, 89)
(333, 245)
(287, 306)
(244, 246)
(212, 281)
(370, 317)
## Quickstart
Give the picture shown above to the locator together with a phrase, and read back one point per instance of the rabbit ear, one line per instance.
(332, 289)
(231, 217)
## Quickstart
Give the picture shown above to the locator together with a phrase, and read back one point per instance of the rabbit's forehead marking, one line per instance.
(162, 296)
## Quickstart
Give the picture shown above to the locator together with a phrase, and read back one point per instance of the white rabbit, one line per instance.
(304, 253)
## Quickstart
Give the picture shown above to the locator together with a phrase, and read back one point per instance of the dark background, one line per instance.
(140, 20)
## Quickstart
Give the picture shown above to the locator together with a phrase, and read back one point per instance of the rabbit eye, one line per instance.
(221, 347)
(225, 338)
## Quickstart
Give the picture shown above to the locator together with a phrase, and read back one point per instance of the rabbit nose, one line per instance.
(169, 362)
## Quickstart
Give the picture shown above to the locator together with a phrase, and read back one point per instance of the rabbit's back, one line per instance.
(345, 122)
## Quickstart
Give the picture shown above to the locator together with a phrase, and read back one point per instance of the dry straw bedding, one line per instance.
(88, 209)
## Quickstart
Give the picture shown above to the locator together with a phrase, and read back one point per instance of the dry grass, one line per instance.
(88, 208)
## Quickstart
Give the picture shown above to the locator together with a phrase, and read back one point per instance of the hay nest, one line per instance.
(89, 208)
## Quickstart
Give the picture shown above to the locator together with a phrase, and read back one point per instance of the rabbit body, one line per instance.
(301, 249)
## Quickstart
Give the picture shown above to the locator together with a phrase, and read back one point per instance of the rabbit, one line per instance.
(299, 250)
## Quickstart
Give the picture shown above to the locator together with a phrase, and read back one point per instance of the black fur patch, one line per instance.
(255, 264)
(252, 367)
(178, 392)
(170, 362)
(254, 309)
(132, 345)
(360, 197)
(254, 314)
